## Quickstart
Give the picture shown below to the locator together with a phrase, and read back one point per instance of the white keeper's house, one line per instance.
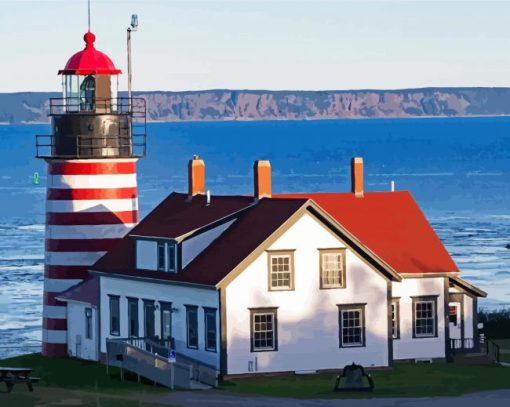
(277, 283)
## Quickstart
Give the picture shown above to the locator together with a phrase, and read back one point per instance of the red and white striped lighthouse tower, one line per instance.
(91, 201)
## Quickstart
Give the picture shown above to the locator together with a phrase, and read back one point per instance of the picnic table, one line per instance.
(14, 375)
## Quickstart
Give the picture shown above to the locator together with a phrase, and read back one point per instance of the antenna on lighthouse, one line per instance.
(88, 9)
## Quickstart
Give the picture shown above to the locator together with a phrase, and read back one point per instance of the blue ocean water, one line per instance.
(457, 169)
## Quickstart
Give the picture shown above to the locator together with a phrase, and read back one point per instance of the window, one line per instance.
(88, 323)
(114, 315)
(452, 314)
(133, 317)
(424, 317)
(395, 318)
(166, 320)
(281, 270)
(210, 329)
(167, 256)
(192, 326)
(351, 325)
(161, 256)
(264, 329)
(332, 268)
(171, 257)
(149, 319)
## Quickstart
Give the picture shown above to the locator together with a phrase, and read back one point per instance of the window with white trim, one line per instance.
(167, 256)
(395, 318)
(264, 330)
(424, 317)
(352, 325)
(332, 268)
(281, 270)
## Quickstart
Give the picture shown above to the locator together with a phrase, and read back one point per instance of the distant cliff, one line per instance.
(31, 107)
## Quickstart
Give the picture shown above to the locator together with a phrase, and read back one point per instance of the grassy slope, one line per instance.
(404, 380)
(76, 382)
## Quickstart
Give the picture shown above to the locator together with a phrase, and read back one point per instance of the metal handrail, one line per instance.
(492, 349)
(83, 105)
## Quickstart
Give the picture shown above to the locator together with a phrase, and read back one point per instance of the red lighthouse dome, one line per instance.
(90, 61)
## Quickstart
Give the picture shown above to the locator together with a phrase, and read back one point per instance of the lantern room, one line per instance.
(90, 120)
(89, 80)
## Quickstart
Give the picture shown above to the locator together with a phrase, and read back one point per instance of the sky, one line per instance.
(275, 45)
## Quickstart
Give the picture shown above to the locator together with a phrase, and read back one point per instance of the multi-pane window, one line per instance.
(281, 270)
(352, 325)
(88, 323)
(424, 317)
(264, 330)
(210, 329)
(192, 326)
(332, 268)
(133, 317)
(395, 319)
(114, 315)
(167, 256)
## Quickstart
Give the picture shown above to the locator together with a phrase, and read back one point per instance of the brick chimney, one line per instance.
(262, 179)
(196, 177)
(357, 176)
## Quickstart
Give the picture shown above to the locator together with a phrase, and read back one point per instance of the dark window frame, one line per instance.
(189, 309)
(89, 329)
(264, 311)
(210, 311)
(343, 272)
(352, 307)
(395, 330)
(165, 306)
(113, 298)
(130, 301)
(146, 304)
(161, 255)
(422, 299)
(280, 253)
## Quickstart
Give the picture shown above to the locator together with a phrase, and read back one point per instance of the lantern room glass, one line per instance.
(80, 93)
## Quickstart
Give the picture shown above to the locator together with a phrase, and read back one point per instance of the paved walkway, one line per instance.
(218, 398)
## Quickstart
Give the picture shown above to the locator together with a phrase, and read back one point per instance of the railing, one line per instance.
(77, 105)
(492, 350)
(150, 358)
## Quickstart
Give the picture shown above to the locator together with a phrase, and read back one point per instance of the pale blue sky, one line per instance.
(243, 44)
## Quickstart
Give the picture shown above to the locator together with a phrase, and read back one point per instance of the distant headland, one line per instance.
(221, 105)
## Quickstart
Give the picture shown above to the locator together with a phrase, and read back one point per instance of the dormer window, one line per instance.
(160, 255)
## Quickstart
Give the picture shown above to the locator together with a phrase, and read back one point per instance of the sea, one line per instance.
(457, 169)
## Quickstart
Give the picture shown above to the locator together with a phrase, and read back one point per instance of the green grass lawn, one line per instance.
(403, 380)
(504, 349)
(73, 382)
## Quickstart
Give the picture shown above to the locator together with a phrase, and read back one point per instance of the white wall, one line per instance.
(178, 295)
(308, 331)
(408, 347)
(468, 317)
(193, 246)
(146, 254)
(76, 327)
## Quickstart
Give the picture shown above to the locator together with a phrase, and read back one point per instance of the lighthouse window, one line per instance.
(88, 93)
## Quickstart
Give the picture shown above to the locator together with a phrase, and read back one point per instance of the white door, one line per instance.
(455, 321)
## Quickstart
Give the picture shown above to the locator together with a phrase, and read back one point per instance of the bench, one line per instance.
(15, 375)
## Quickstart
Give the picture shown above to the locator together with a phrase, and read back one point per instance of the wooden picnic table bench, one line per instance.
(14, 375)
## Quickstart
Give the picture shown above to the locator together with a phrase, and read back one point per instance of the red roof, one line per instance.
(87, 291)
(391, 225)
(90, 61)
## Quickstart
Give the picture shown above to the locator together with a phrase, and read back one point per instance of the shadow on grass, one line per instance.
(404, 380)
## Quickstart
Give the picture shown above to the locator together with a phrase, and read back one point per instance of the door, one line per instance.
(455, 323)
(149, 324)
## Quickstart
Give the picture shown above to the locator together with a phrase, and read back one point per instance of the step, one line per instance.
(473, 359)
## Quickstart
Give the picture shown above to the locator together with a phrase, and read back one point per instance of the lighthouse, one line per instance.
(92, 200)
